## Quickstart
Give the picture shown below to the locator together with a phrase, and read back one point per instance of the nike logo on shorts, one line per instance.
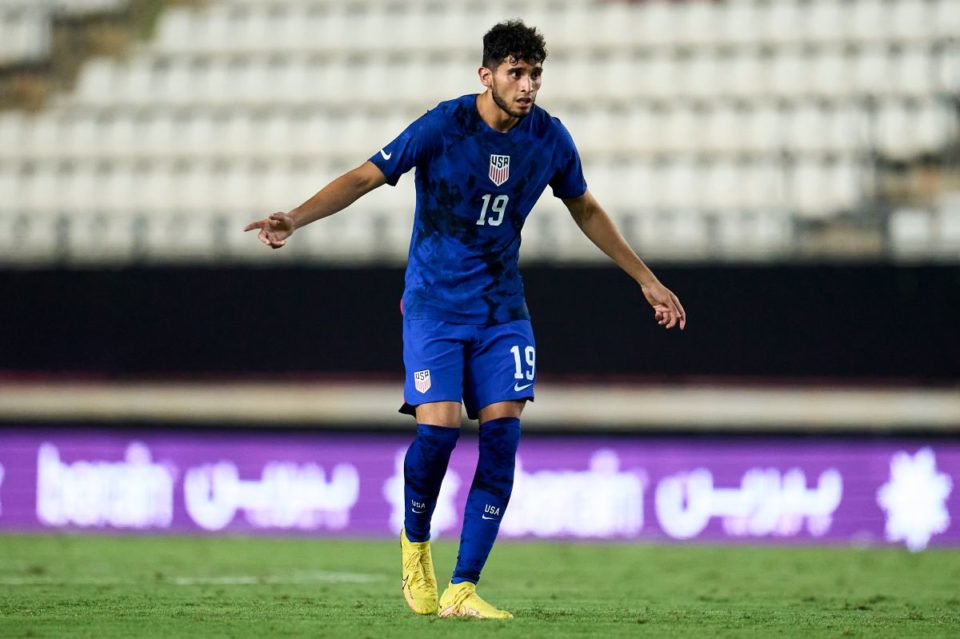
(518, 387)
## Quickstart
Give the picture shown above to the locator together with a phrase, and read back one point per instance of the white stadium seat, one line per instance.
(824, 22)
(739, 24)
(697, 24)
(912, 21)
(868, 21)
(946, 19)
(656, 23)
(723, 127)
(781, 23)
(913, 71)
(910, 232)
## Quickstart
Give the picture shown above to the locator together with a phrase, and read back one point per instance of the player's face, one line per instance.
(514, 85)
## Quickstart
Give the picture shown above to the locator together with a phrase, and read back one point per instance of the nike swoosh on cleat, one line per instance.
(519, 388)
(386, 156)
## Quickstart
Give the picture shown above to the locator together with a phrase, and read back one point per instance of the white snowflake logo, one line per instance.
(914, 499)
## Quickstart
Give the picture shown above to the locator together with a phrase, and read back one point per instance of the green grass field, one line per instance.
(88, 586)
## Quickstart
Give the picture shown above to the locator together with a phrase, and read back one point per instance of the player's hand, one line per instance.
(667, 309)
(274, 230)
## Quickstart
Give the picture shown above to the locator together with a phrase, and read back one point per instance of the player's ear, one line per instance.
(486, 76)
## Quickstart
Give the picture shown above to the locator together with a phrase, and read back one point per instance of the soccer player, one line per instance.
(482, 162)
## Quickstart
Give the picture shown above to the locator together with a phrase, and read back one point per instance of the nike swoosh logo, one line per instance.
(518, 387)
(386, 156)
(485, 517)
(403, 582)
(419, 512)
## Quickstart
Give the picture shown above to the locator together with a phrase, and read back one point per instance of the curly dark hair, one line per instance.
(513, 39)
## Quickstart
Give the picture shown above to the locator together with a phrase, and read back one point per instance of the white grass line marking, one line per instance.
(321, 576)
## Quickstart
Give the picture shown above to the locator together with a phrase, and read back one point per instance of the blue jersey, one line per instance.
(475, 187)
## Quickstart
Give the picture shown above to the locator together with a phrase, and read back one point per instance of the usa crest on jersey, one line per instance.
(421, 380)
(499, 168)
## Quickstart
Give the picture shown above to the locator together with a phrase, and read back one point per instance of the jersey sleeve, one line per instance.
(416, 143)
(567, 181)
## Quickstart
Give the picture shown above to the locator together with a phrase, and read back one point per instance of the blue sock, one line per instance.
(423, 469)
(489, 495)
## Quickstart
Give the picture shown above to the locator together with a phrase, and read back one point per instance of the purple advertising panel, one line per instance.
(761, 489)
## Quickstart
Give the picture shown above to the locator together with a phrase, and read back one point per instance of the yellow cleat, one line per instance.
(462, 600)
(419, 583)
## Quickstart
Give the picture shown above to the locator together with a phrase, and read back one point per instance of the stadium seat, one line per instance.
(762, 187)
(747, 76)
(894, 125)
(790, 75)
(40, 190)
(157, 189)
(33, 238)
(825, 22)
(11, 185)
(913, 72)
(723, 127)
(910, 232)
(618, 22)
(946, 19)
(656, 77)
(871, 72)
(911, 21)
(25, 34)
(641, 132)
(947, 69)
(739, 25)
(697, 24)
(948, 225)
(830, 73)
(763, 132)
(656, 24)
(722, 187)
(175, 30)
(868, 21)
(846, 129)
(682, 185)
(701, 76)
(781, 23)
(805, 127)
(819, 189)
(680, 133)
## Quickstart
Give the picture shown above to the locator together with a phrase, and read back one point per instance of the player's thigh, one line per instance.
(501, 366)
(433, 359)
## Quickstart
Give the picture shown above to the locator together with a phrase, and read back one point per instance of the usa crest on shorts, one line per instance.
(499, 168)
(421, 380)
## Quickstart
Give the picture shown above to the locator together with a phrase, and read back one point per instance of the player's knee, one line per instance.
(446, 414)
(512, 409)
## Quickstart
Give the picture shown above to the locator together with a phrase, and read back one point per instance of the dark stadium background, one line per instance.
(760, 323)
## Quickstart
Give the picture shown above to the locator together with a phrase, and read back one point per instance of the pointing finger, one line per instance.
(681, 313)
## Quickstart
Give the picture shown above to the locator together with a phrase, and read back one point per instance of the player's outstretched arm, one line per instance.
(597, 225)
(339, 194)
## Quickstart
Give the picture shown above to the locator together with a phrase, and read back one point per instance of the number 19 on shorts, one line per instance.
(526, 364)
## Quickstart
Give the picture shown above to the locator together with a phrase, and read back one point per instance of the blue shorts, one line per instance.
(478, 365)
